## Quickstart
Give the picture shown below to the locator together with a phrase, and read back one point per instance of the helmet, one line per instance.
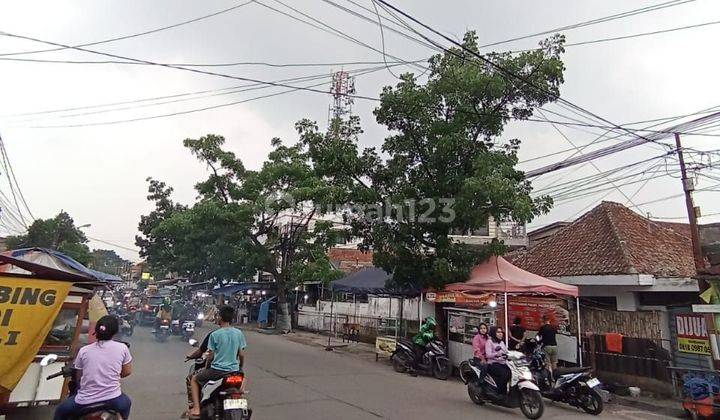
(430, 321)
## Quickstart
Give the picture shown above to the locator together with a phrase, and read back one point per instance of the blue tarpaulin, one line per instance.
(59, 261)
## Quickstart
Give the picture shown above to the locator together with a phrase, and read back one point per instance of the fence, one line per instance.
(640, 357)
(367, 328)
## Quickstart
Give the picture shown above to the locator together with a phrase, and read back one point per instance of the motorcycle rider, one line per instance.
(421, 340)
(100, 366)
(225, 355)
(496, 353)
(163, 314)
(478, 343)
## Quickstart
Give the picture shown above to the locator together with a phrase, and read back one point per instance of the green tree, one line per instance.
(58, 233)
(244, 221)
(443, 158)
(108, 261)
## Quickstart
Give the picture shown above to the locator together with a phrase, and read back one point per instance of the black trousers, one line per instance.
(501, 374)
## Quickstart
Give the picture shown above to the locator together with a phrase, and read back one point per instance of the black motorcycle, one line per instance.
(223, 399)
(127, 324)
(574, 386)
(430, 361)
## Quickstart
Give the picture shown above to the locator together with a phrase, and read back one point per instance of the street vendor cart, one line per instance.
(497, 292)
(44, 299)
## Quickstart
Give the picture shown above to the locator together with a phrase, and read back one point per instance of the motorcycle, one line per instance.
(163, 331)
(199, 319)
(432, 362)
(175, 328)
(574, 386)
(522, 391)
(127, 325)
(90, 412)
(188, 330)
(222, 399)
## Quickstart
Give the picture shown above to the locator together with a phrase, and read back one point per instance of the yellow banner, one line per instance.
(694, 345)
(28, 308)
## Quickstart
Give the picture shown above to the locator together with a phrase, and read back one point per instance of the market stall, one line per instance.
(497, 292)
(374, 281)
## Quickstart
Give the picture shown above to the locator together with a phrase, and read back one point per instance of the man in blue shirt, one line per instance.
(225, 355)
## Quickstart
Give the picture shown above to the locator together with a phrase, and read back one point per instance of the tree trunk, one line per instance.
(283, 322)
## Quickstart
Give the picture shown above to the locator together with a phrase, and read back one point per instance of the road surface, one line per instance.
(288, 380)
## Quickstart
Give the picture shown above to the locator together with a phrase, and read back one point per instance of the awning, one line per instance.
(499, 276)
(369, 280)
(47, 264)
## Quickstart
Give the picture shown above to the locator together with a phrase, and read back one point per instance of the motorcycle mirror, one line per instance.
(50, 358)
(193, 342)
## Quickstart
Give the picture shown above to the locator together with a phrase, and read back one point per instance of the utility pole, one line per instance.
(688, 188)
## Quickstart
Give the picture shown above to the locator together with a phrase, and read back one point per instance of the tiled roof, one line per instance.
(612, 239)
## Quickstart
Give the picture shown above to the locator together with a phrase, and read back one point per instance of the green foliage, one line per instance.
(108, 261)
(244, 221)
(444, 154)
(58, 233)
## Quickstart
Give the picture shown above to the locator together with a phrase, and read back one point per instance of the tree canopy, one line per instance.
(58, 233)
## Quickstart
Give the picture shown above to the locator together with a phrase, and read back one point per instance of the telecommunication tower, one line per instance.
(342, 89)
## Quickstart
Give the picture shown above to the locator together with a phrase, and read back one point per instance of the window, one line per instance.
(480, 231)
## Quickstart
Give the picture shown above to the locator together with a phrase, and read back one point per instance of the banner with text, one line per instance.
(28, 308)
(692, 334)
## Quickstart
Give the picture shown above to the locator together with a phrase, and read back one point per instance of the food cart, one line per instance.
(498, 291)
(49, 315)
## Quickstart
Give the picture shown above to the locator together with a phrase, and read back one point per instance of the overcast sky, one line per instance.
(97, 173)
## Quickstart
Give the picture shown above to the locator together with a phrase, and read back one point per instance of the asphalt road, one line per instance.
(287, 380)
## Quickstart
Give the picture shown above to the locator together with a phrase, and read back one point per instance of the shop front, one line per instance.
(497, 293)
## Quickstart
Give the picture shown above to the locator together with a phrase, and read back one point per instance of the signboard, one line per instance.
(28, 308)
(146, 276)
(461, 299)
(385, 346)
(531, 310)
(692, 334)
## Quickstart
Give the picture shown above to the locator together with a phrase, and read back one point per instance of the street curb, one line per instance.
(658, 409)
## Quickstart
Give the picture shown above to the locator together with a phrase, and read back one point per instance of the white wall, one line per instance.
(377, 307)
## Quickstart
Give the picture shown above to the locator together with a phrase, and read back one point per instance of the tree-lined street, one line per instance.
(288, 380)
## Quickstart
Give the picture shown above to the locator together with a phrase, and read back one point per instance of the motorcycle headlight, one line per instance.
(201, 316)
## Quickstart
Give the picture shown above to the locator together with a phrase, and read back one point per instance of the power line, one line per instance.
(593, 21)
(112, 244)
(191, 70)
(119, 38)
(190, 111)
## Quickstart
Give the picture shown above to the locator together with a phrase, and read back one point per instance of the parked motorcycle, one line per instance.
(522, 391)
(163, 331)
(223, 399)
(574, 386)
(432, 362)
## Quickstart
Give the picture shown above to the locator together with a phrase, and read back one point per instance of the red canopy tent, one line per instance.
(497, 275)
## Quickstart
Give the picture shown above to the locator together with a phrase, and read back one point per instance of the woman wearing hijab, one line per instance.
(496, 354)
(478, 343)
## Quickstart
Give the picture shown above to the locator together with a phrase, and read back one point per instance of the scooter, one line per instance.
(574, 386)
(223, 399)
(433, 361)
(163, 331)
(522, 392)
(127, 325)
(90, 412)
(188, 330)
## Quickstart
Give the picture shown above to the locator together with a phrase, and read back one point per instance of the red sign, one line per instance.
(692, 334)
(531, 310)
(460, 298)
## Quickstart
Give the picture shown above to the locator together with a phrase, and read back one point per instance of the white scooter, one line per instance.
(522, 392)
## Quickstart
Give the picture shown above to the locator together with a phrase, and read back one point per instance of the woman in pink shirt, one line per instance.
(100, 366)
(478, 344)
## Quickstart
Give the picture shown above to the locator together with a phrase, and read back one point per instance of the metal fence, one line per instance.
(356, 327)
(643, 357)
